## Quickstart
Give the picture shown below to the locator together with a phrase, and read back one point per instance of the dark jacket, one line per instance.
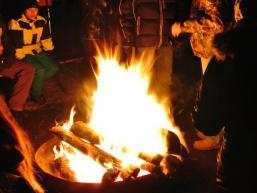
(228, 99)
(98, 20)
(146, 23)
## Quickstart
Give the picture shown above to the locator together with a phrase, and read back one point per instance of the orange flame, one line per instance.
(130, 120)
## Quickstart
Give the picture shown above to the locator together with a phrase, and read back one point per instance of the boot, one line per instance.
(206, 144)
(200, 134)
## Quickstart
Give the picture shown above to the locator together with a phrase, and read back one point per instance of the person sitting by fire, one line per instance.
(17, 75)
(17, 172)
(228, 99)
(97, 26)
(33, 43)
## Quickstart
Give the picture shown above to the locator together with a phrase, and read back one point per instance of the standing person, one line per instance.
(229, 99)
(205, 22)
(33, 43)
(17, 172)
(19, 72)
(97, 26)
(145, 29)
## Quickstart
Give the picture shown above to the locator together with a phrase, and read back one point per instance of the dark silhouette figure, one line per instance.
(228, 99)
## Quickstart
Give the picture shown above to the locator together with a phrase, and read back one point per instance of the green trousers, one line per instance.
(45, 68)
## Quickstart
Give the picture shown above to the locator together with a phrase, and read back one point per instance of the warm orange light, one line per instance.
(129, 119)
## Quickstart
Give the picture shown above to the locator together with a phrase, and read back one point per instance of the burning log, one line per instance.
(151, 159)
(60, 165)
(61, 169)
(110, 176)
(81, 130)
(129, 173)
(168, 165)
(89, 149)
(95, 153)
(152, 168)
(156, 164)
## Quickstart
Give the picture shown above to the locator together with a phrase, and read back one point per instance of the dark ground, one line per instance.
(196, 176)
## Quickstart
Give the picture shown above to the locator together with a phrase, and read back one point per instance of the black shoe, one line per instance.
(39, 99)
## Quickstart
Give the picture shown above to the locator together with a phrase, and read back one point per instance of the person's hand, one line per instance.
(50, 53)
(176, 29)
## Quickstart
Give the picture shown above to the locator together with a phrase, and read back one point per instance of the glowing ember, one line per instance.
(129, 120)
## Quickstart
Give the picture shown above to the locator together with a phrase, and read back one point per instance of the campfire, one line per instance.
(129, 133)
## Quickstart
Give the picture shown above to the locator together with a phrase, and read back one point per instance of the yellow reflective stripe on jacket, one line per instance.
(20, 53)
(30, 37)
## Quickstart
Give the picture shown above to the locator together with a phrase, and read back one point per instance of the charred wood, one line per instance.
(96, 153)
(110, 176)
(152, 168)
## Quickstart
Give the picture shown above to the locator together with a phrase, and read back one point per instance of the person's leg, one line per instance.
(128, 52)
(163, 72)
(164, 64)
(38, 81)
(24, 74)
(207, 142)
(50, 66)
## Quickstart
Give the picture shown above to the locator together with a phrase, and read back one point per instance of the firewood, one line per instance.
(152, 168)
(129, 173)
(81, 130)
(89, 149)
(94, 152)
(61, 168)
(110, 176)
(156, 159)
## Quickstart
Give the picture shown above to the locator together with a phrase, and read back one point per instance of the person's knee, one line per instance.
(28, 70)
(52, 70)
(55, 68)
(40, 72)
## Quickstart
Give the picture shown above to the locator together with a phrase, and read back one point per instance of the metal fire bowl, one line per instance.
(55, 184)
